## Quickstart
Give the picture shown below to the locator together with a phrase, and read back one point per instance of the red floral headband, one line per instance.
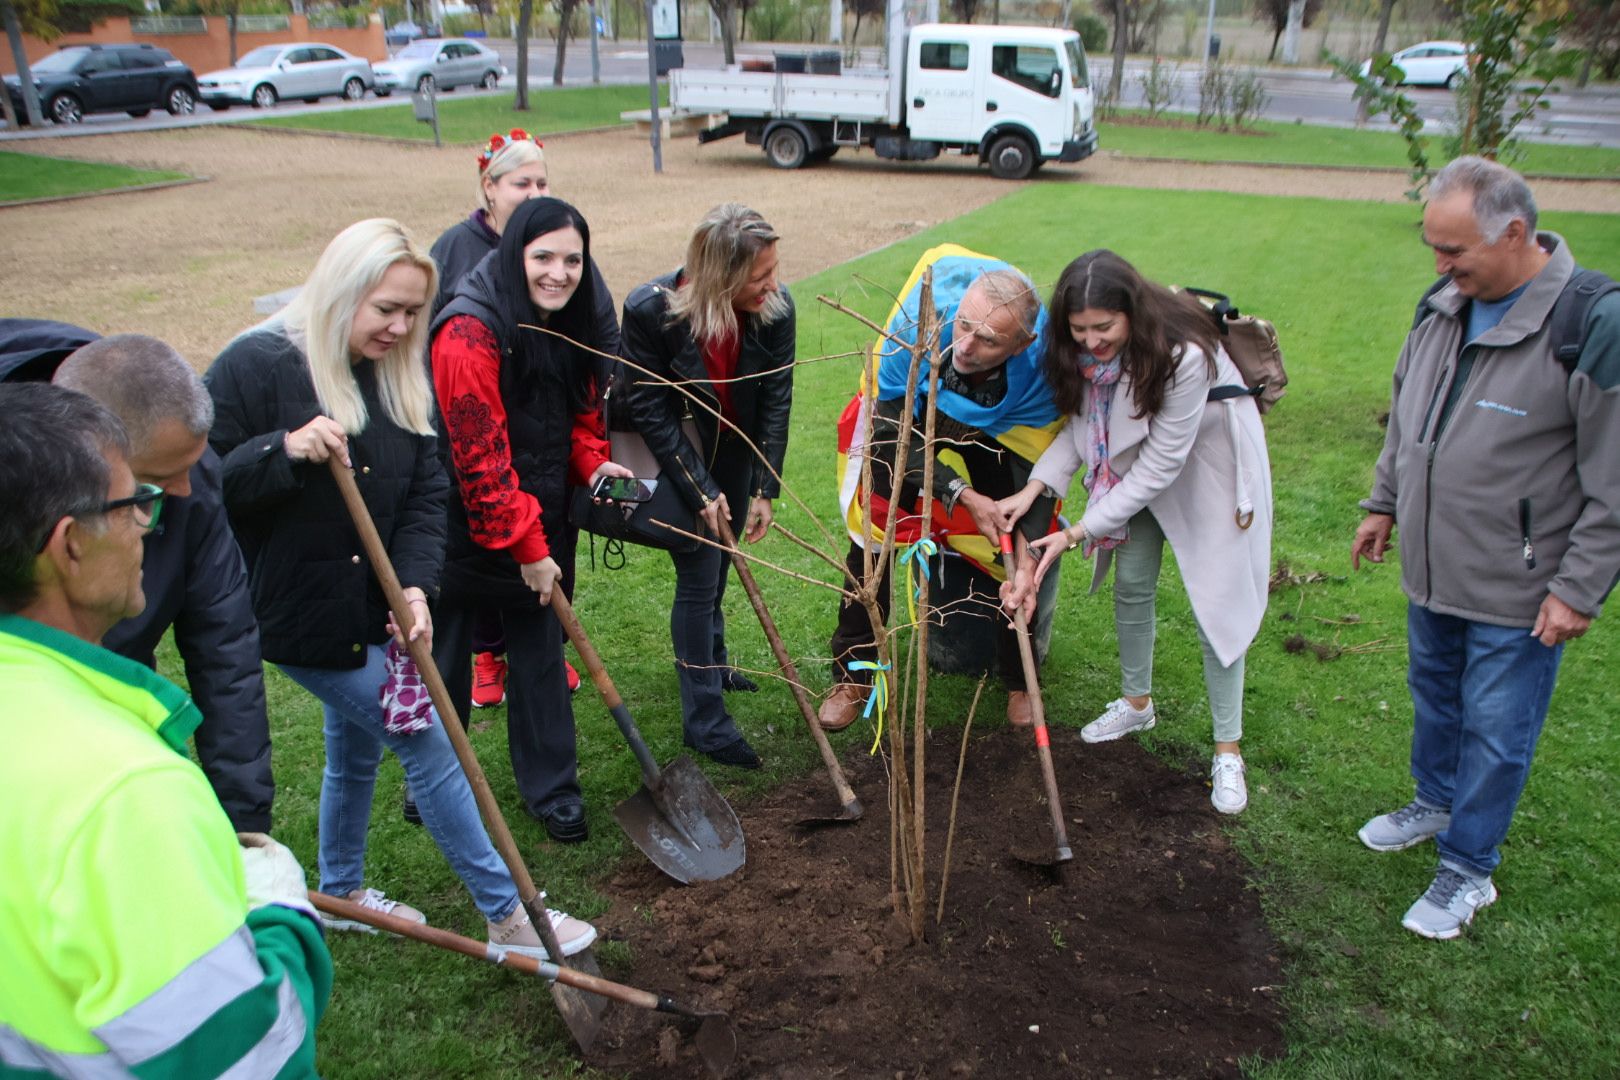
(497, 143)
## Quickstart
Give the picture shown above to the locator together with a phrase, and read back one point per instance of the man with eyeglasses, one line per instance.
(193, 574)
(140, 935)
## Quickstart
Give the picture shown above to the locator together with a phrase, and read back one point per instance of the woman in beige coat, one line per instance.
(1170, 447)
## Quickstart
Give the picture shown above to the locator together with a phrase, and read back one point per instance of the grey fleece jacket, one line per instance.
(1516, 492)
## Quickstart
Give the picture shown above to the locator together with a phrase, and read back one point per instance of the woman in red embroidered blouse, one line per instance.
(518, 398)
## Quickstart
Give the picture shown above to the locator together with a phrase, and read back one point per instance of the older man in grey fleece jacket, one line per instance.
(1502, 466)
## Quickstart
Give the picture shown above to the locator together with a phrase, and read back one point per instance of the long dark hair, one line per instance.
(1162, 323)
(545, 354)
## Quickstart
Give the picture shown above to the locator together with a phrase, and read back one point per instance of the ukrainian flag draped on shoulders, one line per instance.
(1025, 421)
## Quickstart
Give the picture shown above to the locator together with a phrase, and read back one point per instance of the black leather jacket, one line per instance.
(761, 399)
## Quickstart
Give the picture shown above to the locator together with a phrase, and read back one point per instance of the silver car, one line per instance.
(439, 63)
(300, 69)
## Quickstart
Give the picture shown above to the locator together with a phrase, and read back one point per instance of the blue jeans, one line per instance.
(354, 744)
(1479, 697)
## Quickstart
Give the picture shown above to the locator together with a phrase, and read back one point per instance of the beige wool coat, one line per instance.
(1203, 469)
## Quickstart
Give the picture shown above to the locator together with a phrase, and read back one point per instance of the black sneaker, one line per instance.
(733, 681)
(737, 754)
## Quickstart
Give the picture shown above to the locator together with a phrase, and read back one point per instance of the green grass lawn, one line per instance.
(32, 176)
(470, 119)
(1310, 144)
(1530, 992)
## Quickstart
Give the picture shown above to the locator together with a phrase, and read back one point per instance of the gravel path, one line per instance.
(184, 264)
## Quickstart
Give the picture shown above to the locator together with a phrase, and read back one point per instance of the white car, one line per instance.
(305, 69)
(1429, 63)
(442, 64)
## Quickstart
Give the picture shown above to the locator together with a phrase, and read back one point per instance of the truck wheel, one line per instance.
(786, 148)
(1011, 158)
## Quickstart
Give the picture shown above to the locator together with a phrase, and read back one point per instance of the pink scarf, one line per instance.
(1100, 476)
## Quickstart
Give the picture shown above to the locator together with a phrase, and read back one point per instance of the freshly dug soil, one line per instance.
(1145, 956)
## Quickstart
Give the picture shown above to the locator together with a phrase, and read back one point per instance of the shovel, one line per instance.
(582, 1013)
(1043, 742)
(849, 806)
(716, 1038)
(678, 819)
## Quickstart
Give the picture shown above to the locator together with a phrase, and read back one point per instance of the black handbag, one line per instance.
(644, 523)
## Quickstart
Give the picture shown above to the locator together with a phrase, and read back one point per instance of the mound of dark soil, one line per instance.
(1147, 956)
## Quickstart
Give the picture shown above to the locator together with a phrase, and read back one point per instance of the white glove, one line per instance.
(273, 874)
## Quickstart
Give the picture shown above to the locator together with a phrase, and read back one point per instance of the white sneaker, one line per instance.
(1228, 791)
(376, 901)
(1120, 718)
(516, 933)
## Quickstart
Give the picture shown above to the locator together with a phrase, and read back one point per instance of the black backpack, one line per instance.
(1570, 314)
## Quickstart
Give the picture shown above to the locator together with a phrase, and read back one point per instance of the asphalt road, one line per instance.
(1590, 117)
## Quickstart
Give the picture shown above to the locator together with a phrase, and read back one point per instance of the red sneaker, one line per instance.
(489, 680)
(573, 676)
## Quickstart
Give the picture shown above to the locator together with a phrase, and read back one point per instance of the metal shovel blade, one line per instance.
(716, 1043)
(685, 826)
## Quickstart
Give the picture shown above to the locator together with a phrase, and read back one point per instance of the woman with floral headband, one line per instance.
(511, 171)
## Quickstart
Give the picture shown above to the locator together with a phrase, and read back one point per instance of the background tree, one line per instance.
(1515, 58)
(726, 12)
(520, 100)
(1386, 8)
(965, 9)
(565, 21)
(1142, 19)
(1594, 25)
(48, 20)
(1274, 13)
(230, 9)
(862, 9)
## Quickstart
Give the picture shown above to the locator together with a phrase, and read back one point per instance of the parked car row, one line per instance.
(136, 78)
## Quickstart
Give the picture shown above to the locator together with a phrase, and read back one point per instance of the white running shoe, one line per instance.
(376, 901)
(1228, 791)
(1119, 719)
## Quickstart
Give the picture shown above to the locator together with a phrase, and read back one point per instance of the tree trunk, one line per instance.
(1586, 70)
(25, 77)
(520, 102)
(855, 38)
(1385, 9)
(728, 31)
(566, 16)
(1296, 24)
(1276, 36)
(1122, 26)
(230, 25)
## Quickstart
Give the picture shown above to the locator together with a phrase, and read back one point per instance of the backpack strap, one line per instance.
(1423, 309)
(1572, 311)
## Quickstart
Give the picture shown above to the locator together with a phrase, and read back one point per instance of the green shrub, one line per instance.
(1093, 31)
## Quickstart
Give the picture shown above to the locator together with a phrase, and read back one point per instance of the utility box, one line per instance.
(1214, 46)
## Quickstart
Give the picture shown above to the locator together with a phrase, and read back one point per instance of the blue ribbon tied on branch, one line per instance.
(879, 697)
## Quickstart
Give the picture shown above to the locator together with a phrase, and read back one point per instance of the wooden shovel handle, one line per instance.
(1043, 740)
(846, 795)
(383, 567)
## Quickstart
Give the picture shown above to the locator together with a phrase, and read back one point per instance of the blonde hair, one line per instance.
(719, 262)
(509, 158)
(321, 317)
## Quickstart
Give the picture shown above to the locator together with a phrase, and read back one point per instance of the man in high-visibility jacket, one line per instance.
(140, 936)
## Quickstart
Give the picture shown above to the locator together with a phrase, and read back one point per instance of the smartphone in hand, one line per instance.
(624, 489)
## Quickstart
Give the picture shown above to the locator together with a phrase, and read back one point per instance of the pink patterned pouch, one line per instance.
(406, 707)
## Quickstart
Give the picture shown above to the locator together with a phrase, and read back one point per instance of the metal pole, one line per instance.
(1209, 31)
(596, 61)
(652, 92)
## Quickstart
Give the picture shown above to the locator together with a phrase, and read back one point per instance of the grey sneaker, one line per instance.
(1399, 830)
(1228, 791)
(1118, 719)
(1449, 905)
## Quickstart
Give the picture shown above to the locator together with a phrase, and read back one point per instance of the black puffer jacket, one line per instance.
(761, 399)
(316, 597)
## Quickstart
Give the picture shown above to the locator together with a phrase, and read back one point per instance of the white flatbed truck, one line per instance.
(1015, 96)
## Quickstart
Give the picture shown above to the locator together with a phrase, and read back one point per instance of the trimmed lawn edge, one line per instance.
(280, 129)
(1296, 166)
(157, 185)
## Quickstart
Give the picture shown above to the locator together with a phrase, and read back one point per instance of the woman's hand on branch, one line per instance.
(316, 441)
(711, 513)
(541, 577)
(1015, 506)
(759, 519)
(1045, 553)
(421, 620)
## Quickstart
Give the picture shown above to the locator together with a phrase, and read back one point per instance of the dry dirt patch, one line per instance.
(184, 264)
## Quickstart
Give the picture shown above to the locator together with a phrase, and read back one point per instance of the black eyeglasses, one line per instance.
(146, 505)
